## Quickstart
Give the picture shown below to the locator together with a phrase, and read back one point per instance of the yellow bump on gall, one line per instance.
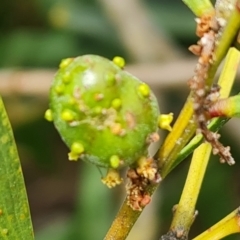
(116, 103)
(97, 110)
(65, 62)
(66, 77)
(119, 61)
(48, 115)
(77, 148)
(114, 161)
(59, 89)
(165, 120)
(112, 178)
(144, 89)
(110, 79)
(67, 115)
(1, 212)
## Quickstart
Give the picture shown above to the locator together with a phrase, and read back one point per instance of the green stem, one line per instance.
(199, 7)
(227, 38)
(227, 226)
(184, 215)
(185, 210)
(226, 81)
(214, 126)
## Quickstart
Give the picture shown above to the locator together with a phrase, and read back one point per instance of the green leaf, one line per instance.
(15, 220)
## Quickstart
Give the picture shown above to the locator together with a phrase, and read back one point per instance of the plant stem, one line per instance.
(225, 41)
(199, 7)
(123, 223)
(184, 215)
(185, 210)
(214, 126)
(183, 130)
(185, 127)
(225, 81)
(227, 226)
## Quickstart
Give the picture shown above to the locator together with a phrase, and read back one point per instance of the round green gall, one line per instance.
(77, 148)
(66, 78)
(119, 61)
(48, 115)
(114, 161)
(144, 90)
(67, 116)
(59, 89)
(116, 103)
(65, 62)
(105, 109)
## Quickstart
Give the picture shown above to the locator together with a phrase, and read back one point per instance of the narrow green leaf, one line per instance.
(15, 220)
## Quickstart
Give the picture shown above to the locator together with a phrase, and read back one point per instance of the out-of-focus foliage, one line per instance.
(38, 33)
(67, 199)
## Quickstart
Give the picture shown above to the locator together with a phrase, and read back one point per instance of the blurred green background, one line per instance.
(67, 200)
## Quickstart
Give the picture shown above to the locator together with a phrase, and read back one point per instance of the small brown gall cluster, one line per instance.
(139, 179)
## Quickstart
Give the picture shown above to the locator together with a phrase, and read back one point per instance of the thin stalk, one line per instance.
(184, 215)
(227, 226)
(214, 126)
(227, 38)
(185, 210)
(183, 129)
(200, 7)
(225, 81)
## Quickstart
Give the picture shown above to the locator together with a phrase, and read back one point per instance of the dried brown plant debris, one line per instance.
(208, 29)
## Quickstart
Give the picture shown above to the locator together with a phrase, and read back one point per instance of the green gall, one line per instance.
(66, 78)
(59, 89)
(48, 115)
(110, 79)
(119, 61)
(116, 103)
(65, 62)
(102, 109)
(67, 116)
(144, 90)
(114, 161)
(77, 148)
